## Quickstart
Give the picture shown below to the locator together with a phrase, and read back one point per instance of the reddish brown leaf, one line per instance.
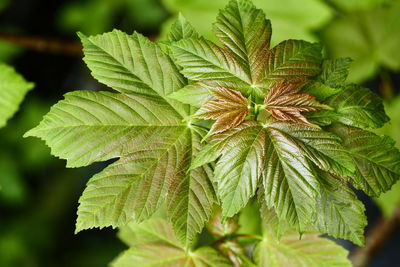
(285, 103)
(228, 108)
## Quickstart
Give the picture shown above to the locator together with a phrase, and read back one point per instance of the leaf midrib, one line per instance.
(166, 99)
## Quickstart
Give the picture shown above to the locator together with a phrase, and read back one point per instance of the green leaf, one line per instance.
(245, 62)
(13, 89)
(190, 199)
(324, 149)
(335, 71)
(154, 230)
(192, 94)
(181, 29)
(310, 250)
(202, 60)
(238, 170)
(360, 107)
(153, 243)
(292, 61)
(290, 185)
(320, 90)
(284, 155)
(132, 64)
(141, 126)
(288, 22)
(339, 212)
(243, 29)
(377, 160)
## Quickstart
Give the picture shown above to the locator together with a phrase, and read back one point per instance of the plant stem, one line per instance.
(40, 44)
(376, 238)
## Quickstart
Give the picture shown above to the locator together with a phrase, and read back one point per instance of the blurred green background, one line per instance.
(39, 196)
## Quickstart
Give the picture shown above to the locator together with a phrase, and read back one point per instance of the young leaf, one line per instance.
(310, 250)
(292, 61)
(290, 185)
(243, 29)
(204, 61)
(228, 109)
(132, 64)
(193, 94)
(13, 88)
(246, 63)
(288, 22)
(190, 199)
(238, 170)
(360, 107)
(339, 212)
(377, 160)
(153, 243)
(181, 29)
(335, 71)
(141, 126)
(285, 103)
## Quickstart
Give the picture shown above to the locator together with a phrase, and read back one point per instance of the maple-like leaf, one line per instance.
(163, 165)
(141, 126)
(229, 108)
(154, 243)
(246, 62)
(285, 103)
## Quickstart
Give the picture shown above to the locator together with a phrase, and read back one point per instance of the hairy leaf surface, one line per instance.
(285, 103)
(181, 29)
(229, 108)
(377, 160)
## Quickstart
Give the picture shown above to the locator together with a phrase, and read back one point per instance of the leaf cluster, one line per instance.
(196, 125)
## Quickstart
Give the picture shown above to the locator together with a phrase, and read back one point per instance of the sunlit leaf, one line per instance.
(13, 88)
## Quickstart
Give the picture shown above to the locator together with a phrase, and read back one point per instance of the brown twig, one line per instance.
(376, 238)
(40, 44)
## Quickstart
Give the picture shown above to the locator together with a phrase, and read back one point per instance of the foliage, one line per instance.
(369, 36)
(288, 22)
(13, 88)
(288, 128)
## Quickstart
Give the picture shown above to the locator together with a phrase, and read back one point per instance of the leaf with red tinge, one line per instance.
(285, 103)
(229, 108)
